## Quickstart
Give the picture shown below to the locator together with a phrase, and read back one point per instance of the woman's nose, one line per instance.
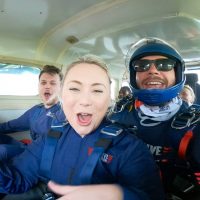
(85, 99)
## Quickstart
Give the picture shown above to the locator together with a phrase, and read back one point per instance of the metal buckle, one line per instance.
(186, 119)
(121, 104)
(183, 120)
(172, 197)
(48, 196)
(118, 108)
(112, 130)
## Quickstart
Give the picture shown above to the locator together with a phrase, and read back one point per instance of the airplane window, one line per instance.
(18, 80)
(194, 70)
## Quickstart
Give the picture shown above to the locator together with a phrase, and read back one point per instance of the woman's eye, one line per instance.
(74, 89)
(98, 91)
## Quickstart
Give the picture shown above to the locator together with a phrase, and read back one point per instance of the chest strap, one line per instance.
(48, 152)
(50, 146)
(184, 144)
(108, 134)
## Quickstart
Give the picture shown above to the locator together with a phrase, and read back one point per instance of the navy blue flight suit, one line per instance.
(37, 120)
(126, 162)
(177, 156)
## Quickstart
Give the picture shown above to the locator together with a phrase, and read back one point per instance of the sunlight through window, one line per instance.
(18, 80)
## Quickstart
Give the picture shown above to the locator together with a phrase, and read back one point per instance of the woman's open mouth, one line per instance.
(84, 119)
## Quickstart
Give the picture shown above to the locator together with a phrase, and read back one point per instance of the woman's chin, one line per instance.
(83, 130)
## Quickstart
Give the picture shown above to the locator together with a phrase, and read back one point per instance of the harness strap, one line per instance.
(138, 103)
(121, 104)
(108, 134)
(184, 144)
(87, 171)
(187, 118)
(48, 152)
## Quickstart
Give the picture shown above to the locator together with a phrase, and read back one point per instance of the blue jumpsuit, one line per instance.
(37, 119)
(126, 162)
(164, 143)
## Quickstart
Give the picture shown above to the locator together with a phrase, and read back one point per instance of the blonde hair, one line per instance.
(187, 87)
(89, 59)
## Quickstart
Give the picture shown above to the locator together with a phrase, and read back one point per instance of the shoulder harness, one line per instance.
(50, 146)
(108, 134)
(188, 118)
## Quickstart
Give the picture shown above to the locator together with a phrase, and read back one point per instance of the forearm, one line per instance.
(89, 192)
(14, 126)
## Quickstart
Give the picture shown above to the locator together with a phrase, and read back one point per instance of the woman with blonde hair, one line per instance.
(187, 94)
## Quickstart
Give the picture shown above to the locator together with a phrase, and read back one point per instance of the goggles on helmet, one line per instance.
(164, 64)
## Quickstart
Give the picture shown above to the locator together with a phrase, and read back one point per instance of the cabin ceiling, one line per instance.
(36, 31)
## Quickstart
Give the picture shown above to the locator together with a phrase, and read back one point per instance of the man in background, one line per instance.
(37, 119)
(187, 94)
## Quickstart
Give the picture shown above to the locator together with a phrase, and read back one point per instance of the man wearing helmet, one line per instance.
(160, 118)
